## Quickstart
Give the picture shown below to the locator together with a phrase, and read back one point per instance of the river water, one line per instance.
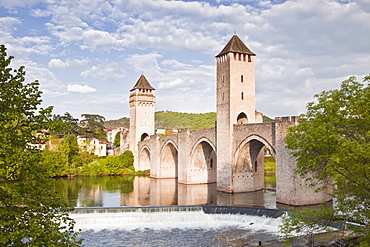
(166, 229)
(136, 191)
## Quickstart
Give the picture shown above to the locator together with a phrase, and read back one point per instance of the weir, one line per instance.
(207, 209)
(202, 225)
(173, 216)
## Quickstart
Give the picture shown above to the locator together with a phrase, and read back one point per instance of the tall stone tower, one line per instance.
(142, 125)
(235, 103)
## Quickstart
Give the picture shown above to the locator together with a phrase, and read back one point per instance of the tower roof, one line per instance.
(236, 45)
(142, 83)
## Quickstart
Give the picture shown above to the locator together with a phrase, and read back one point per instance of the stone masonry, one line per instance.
(232, 153)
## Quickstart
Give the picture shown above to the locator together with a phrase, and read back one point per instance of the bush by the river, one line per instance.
(111, 165)
(83, 163)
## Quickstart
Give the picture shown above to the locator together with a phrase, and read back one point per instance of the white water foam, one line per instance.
(170, 220)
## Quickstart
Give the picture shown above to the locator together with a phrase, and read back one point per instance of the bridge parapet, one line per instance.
(288, 119)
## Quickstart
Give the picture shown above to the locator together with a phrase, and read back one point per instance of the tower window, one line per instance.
(249, 58)
(255, 166)
(234, 56)
(242, 96)
(241, 78)
(244, 57)
(240, 57)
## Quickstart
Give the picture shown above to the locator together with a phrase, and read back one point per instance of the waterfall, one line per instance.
(168, 217)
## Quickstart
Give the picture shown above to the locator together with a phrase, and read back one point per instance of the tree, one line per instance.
(332, 142)
(30, 213)
(69, 150)
(94, 125)
(117, 139)
(66, 124)
(127, 159)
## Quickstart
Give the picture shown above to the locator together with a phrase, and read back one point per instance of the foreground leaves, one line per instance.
(332, 141)
(31, 214)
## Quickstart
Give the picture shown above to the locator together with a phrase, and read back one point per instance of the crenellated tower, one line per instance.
(235, 103)
(142, 123)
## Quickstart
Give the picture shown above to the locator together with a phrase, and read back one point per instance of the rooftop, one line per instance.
(236, 45)
(142, 83)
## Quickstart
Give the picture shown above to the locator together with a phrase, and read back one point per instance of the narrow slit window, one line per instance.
(241, 78)
(242, 96)
(249, 58)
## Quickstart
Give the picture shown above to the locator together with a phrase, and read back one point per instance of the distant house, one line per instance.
(40, 145)
(40, 142)
(92, 145)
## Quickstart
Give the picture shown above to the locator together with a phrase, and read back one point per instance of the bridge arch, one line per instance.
(203, 161)
(257, 138)
(248, 166)
(169, 159)
(144, 158)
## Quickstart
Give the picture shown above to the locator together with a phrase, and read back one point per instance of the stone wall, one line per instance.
(291, 188)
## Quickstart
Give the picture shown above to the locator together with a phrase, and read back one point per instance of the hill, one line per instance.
(177, 120)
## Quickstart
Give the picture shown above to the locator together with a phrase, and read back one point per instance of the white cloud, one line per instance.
(96, 39)
(175, 84)
(9, 23)
(302, 46)
(69, 63)
(108, 71)
(77, 88)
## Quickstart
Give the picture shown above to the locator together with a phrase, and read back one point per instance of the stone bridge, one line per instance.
(191, 157)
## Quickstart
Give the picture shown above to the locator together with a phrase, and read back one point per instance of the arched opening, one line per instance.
(169, 161)
(204, 163)
(269, 170)
(254, 167)
(144, 136)
(242, 118)
(144, 160)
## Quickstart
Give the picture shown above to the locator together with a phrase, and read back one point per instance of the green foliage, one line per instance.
(94, 168)
(62, 125)
(113, 165)
(55, 163)
(332, 141)
(110, 165)
(69, 153)
(267, 119)
(30, 212)
(127, 159)
(117, 139)
(125, 122)
(93, 126)
(176, 120)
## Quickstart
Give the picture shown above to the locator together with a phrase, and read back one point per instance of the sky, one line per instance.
(88, 54)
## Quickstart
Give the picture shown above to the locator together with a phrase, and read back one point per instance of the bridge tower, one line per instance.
(142, 124)
(235, 103)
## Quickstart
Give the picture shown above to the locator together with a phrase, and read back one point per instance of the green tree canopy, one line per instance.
(30, 213)
(93, 125)
(64, 124)
(332, 141)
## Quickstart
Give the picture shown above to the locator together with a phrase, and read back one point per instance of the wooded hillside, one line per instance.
(177, 120)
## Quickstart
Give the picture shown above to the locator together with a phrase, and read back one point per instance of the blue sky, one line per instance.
(88, 54)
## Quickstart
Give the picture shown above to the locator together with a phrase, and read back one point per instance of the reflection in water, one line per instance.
(114, 191)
